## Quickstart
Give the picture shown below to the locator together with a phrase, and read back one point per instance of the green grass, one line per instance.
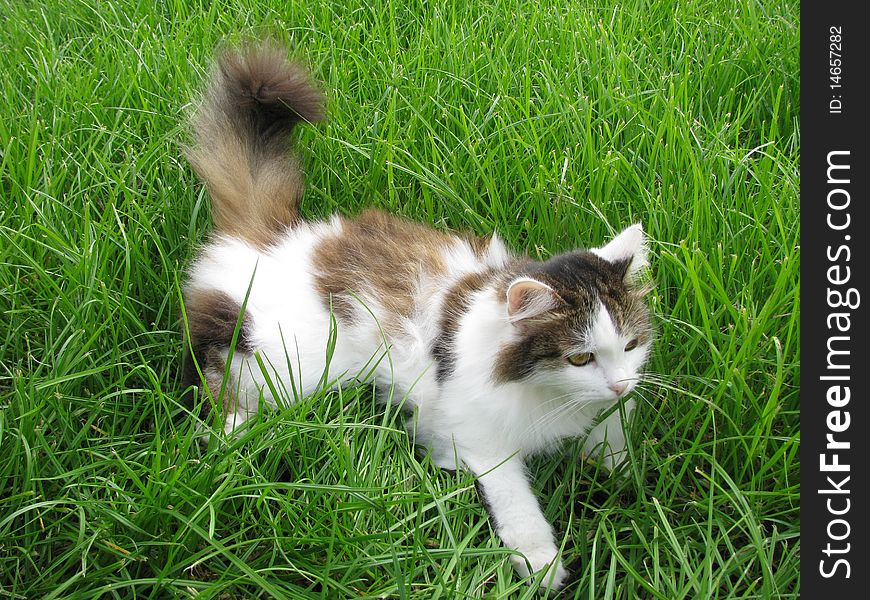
(555, 125)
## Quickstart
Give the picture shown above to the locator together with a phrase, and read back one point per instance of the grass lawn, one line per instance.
(555, 124)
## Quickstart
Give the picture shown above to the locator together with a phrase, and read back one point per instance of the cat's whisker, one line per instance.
(565, 409)
(641, 393)
(550, 415)
(546, 421)
(661, 383)
(562, 409)
(657, 378)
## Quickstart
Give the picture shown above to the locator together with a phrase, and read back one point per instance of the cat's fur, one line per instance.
(479, 339)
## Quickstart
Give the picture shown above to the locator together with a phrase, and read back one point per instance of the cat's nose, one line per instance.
(618, 387)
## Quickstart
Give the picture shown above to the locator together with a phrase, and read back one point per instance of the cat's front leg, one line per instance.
(607, 439)
(517, 517)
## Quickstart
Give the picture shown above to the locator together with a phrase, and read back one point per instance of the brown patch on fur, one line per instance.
(212, 317)
(543, 344)
(377, 256)
(456, 303)
(479, 245)
(241, 140)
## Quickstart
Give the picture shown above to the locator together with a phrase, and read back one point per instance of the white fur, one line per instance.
(468, 419)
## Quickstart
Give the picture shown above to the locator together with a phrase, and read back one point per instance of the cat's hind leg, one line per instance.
(222, 406)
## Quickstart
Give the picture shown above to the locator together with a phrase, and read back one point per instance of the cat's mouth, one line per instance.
(616, 393)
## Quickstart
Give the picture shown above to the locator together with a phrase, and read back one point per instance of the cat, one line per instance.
(498, 356)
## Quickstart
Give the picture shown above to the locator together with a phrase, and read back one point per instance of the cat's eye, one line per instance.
(631, 345)
(580, 359)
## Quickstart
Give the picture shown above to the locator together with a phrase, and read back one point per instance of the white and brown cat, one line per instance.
(499, 356)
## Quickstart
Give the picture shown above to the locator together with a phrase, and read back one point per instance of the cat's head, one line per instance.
(581, 322)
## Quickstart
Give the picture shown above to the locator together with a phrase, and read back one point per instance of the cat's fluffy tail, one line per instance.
(241, 140)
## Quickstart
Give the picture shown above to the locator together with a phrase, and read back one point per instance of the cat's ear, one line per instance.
(628, 251)
(528, 298)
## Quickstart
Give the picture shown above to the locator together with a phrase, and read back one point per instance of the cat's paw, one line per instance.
(540, 559)
(612, 461)
(609, 458)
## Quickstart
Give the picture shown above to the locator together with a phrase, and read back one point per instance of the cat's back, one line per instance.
(372, 267)
(395, 269)
(392, 263)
